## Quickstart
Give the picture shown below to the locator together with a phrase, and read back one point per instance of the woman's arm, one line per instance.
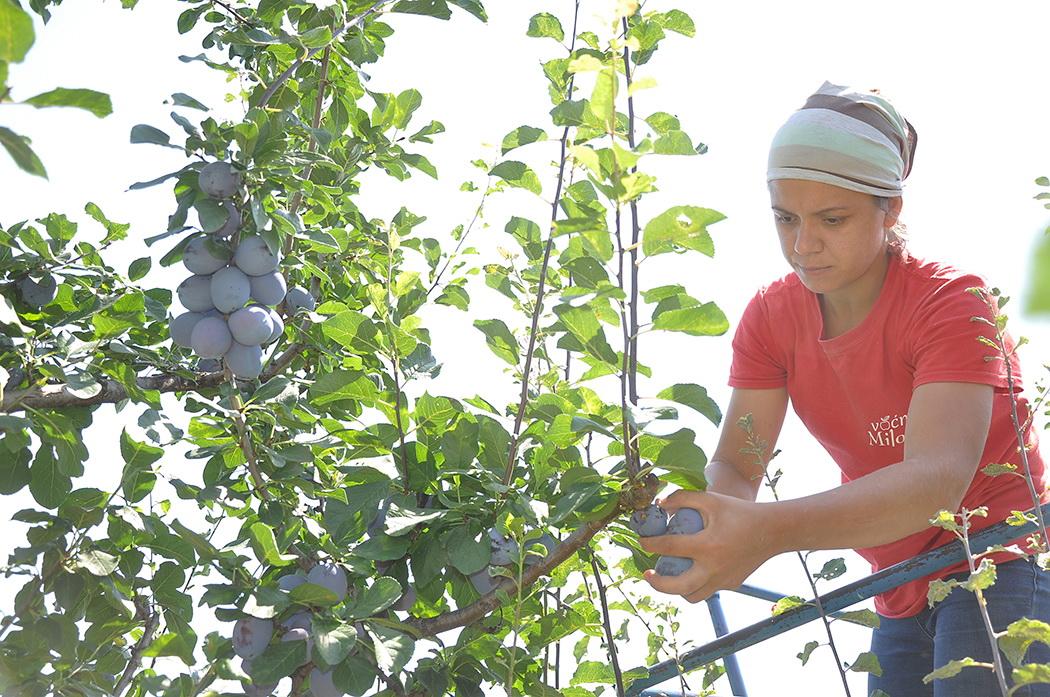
(947, 428)
(731, 471)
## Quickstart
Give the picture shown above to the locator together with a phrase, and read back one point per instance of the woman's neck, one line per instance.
(847, 307)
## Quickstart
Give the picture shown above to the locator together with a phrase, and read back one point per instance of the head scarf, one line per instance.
(848, 138)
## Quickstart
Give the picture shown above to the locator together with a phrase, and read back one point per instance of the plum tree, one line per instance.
(278, 325)
(290, 582)
(254, 258)
(504, 549)
(233, 221)
(251, 325)
(195, 293)
(244, 361)
(251, 636)
(219, 180)
(38, 293)
(331, 576)
(649, 521)
(299, 299)
(322, 685)
(181, 327)
(203, 256)
(686, 521)
(211, 337)
(230, 289)
(268, 288)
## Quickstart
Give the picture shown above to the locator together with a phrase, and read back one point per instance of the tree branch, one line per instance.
(607, 624)
(152, 620)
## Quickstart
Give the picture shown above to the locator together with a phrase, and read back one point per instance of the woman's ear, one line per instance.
(893, 211)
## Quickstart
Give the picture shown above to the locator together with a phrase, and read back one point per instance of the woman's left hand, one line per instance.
(737, 538)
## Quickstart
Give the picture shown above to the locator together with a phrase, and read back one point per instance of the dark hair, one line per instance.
(897, 237)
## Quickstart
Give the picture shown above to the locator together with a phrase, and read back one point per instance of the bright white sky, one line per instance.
(970, 79)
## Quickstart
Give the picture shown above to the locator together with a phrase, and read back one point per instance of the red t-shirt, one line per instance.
(853, 391)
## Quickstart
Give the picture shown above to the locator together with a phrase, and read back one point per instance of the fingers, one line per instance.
(684, 584)
(673, 545)
(683, 499)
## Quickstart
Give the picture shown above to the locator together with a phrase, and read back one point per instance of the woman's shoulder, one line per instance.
(934, 275)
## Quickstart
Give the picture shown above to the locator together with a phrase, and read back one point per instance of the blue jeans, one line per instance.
(910, 647)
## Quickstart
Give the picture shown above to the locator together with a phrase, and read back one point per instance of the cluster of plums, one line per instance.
(505, 552)
(653, 521)
(231, 295)
(252, 635)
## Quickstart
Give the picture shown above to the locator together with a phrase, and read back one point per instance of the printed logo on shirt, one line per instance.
(888, 432)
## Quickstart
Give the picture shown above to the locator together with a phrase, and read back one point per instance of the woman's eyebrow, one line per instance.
(823, 210)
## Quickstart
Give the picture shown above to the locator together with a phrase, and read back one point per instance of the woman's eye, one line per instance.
(782, 218)
(832, 221)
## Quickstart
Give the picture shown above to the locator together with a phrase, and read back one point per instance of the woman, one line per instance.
(879, 357)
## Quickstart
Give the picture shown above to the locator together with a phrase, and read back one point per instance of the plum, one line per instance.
(290, 582)
(331, 576)
(254, 690)
(322, 685)
(687, 521)
(181, 327)
(38, 293)
(233, 221)
(251, 325)
(195, 293)
(504, 549)
(278, 325)
(299, 299)
(219, 180)
(300, 620)
(251, 636)
(299, 634)
(406, 601)
(378, 523)
(203, 258)
(230, 289)
(244, 361)
(211, 337)
(254, 257)
(649, 521)
(268, 288)
(483, 581)
(548, 542)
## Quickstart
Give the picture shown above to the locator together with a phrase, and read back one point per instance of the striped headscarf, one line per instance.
(853, 139)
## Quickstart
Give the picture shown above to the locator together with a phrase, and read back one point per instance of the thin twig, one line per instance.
(462, 239)
(236, 15)
(152, 620)
(508, 474)
(606, 622)
(635, 233)
(283, 77)
(997, 660)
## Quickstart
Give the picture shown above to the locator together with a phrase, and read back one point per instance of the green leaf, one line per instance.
(807, 651)
(679, 228)
(143, 133)
(1020, 635)
(353, 330)
(939, 590)
(1031, 674)
(695, 397)
(983, 578)
(16, 32)
(182, 99)
(265, 545)
(138, 478)
(499, 339)
(674, 143)
(454, 296)
(676, 21)
(517, 174)
(354, 676)
(18, 148)
(114, 231)
(832, 569)
(582, 323)
(603, 99)
(139, 268)
(522, 135)
(96, 563)
(703, 320)
(279, 660)
(316, 37)
(949, 670)
(333, 640)
(421, 163)
(383, 593)
(466, 551)
(865, 618)
(341, 386)
(98, 103)
(431, 8)
(393, 648)
(547, 25)
(314, 595)
(1037, 295)
(867, 662)
(48, 484)
(788, 603)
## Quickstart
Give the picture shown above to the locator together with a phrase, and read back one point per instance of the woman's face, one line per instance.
(834, 238)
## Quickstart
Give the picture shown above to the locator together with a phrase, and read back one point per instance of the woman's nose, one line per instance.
(807, 241)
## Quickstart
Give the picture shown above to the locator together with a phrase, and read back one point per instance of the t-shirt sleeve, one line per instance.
(757, 361)
(946, 340)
